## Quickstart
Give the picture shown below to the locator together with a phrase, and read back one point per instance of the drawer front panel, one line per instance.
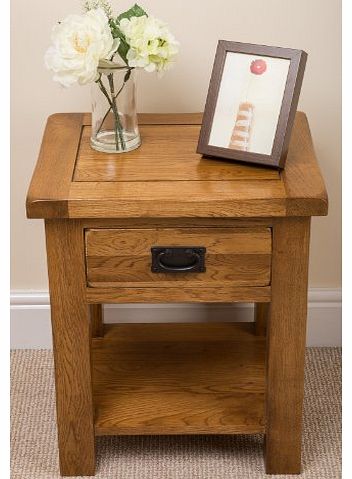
(123, 257)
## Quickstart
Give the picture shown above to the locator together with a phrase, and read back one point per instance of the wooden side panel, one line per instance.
(286, 346)
(234, 256)
(71, 340)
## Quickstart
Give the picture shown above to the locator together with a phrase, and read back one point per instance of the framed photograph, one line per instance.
(251, 103)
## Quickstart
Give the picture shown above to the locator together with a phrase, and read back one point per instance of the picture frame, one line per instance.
(251, 103)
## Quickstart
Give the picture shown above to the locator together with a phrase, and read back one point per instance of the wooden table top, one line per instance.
(165, 177)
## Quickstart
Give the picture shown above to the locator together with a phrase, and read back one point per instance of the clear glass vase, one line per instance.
(114, 115)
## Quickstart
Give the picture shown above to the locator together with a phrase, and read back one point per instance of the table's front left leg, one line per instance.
(71, 342)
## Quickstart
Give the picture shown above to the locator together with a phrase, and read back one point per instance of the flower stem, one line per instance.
(106, 114)
(118, 127)
(112, 106)
(103, 89)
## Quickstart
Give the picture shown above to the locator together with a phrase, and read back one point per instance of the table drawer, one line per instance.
(232, 257)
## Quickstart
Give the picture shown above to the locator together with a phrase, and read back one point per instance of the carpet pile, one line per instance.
(34, 445)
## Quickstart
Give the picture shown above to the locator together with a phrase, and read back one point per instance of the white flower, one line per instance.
(152, 46)
(79, 42)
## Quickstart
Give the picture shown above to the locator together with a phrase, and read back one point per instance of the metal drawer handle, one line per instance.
(163, 261)
(178, 259)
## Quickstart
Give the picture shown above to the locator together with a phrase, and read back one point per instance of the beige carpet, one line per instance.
(34, 446)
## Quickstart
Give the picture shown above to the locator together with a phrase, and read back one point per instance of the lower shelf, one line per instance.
(179, 379)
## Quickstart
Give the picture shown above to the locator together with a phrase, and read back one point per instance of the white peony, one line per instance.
(152, 46)
(79, 42)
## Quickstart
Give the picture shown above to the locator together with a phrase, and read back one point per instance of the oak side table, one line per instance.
(161, 224)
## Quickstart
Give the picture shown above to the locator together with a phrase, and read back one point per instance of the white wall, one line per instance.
(312, 25)
(30, 316)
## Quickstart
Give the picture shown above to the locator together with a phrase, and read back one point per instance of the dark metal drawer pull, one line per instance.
(176, 259)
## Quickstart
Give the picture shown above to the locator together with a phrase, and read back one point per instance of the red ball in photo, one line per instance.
(258, 67)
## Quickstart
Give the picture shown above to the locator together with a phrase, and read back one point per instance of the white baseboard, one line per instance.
(30, 316)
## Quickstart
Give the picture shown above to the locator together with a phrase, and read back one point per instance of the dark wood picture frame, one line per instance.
(288, 109)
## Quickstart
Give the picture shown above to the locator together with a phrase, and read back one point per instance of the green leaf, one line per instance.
(135, 11)
(123, 49)
(115, 31)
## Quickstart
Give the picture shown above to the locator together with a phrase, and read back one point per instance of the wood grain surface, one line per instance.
(261, 317)
(166, 178)
(103, 214)
(228, 294)
(168, 154)
(168, 199)
(234, 256)
(48, 192)
(176, 379)
(97, 320)
(286, 346)
(302, 177)
(182, 222)
(71, 342)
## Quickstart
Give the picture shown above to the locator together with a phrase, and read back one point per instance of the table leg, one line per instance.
(97, 320)
(261, 314)
(286, 346)
(71, 341)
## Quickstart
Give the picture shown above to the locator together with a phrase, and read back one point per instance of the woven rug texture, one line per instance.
(34, 453)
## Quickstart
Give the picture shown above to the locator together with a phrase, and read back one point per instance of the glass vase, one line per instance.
(114, 115)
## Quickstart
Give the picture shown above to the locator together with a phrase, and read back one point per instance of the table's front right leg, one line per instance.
(286, 340)
(71, 342)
